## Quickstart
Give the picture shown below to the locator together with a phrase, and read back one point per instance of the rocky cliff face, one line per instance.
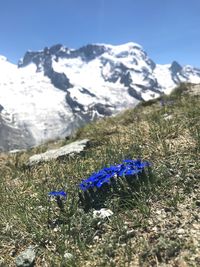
(53, 91)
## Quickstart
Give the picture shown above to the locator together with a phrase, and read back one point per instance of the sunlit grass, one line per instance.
(167, 136)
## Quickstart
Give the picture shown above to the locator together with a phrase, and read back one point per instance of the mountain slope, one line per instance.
(56, 90)
(155, 220)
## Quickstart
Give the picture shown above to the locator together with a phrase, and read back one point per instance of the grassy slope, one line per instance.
(157, 225)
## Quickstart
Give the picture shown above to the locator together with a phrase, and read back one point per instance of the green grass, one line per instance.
(137, 234)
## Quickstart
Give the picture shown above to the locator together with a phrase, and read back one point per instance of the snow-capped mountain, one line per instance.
(53, 91)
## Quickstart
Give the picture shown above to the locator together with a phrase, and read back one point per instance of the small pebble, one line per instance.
(181, 231)
(68, 256)
(26, 258)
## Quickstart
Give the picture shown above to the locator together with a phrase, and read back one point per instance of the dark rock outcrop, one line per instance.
(1, 107)
(132, 92)
(59, 80)
(43, 61)
(89, 52)
(175, 68)
(74, 105)
(102, 109)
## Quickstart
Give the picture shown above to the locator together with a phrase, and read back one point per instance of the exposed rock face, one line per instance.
(43, 61)
(1, 108)
(72, 148)
(59, 80)
(89, 52)
(104, 110)
(175, 67)
(132, 92)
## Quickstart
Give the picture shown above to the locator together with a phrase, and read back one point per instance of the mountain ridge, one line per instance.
(52, 92)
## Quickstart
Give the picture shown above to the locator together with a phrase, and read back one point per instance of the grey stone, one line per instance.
(26, 258)
(72, 148)
(68, 256)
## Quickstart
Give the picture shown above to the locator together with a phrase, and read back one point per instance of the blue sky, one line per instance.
(167, 29)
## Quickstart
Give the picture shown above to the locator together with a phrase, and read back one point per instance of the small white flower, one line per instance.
(102, 213)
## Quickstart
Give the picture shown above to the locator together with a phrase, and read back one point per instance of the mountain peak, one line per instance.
(87, 52)
(122, 46)
(175, 67)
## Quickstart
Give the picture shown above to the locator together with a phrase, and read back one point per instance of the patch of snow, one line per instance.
(164, 78)
(30, 99)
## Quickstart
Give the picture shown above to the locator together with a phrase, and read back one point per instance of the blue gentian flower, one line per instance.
(57, 194)
(129, 167)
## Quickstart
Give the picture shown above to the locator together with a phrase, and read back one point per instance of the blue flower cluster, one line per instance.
(128, 168)
(57, 194)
